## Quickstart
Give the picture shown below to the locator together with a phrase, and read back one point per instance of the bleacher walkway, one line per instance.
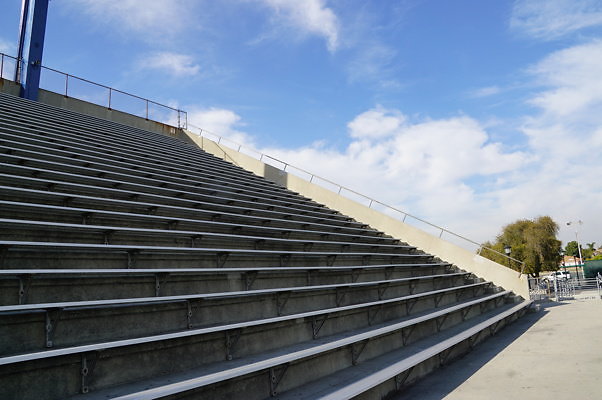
(136, 266)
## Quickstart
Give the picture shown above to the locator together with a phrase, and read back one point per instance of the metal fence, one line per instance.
(565, 289)
(105, 96)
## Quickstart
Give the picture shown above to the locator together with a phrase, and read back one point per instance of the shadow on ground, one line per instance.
(443, 381)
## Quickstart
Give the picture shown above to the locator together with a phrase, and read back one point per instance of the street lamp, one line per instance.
(508, 250)
(578, 245)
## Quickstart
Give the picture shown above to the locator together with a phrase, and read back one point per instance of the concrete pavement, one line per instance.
(555, 353)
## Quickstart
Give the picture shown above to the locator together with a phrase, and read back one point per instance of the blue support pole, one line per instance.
(31, 46)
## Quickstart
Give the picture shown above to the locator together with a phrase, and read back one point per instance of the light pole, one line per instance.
(508, 250)
(579, 223)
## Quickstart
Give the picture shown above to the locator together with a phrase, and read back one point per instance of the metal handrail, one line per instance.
(342, 188)
(181, 113)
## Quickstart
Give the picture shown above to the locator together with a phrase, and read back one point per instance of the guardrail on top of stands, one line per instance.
(114, 99)
(342, 190)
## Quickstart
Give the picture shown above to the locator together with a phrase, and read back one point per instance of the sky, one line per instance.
(470, 114)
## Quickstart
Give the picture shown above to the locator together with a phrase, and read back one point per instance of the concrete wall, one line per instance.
(466, 260)
(9, 87)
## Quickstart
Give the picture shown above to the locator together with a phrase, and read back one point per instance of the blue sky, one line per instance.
(471, 114)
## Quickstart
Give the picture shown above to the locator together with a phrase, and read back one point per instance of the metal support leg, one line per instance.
(275, 377)
(231, 340)
(88, 363)
(52, 319)
(24, 284)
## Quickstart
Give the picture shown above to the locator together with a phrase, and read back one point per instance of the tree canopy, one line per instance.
(571, 249)
(533, 242)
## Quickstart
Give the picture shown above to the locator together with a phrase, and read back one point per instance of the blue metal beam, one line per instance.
(31, 46)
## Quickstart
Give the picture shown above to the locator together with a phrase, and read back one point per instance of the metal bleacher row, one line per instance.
(134, 265)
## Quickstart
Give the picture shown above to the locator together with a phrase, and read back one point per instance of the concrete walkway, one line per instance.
(555, 353)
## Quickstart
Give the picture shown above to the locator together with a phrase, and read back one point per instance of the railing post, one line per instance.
(66, 85)
(147, 114)
(2, 67)
(110, 92)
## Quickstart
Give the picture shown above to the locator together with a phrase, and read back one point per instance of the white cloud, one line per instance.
(573, 76)
(219, 121)
(425, 167)
(178, 65)
(485, 91)
(308, 17)
(373, 62)
(151, 19)
(566, 134)
(552, 19)
(375, 123)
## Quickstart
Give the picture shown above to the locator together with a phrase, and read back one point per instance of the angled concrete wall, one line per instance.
(465, 259)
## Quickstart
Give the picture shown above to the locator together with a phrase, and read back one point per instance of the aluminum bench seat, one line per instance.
(393, 371)
(162, 205)
(298, 354)
(29, 286)
(183, 150)
(99, 164)
(85, 215)
(20, 308)
(16, 173)
(96, 129)
(183, 189)
(32, 327)
(34, 254)
(106, 234)
(85, 151)
(69, 316)
(204, 296)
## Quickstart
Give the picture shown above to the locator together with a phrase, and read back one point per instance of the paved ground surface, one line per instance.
(555, 353)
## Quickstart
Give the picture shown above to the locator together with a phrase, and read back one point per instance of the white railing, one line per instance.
(113, 99)
(350, 193)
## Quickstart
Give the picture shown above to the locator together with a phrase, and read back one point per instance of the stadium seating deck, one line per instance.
(134, 265)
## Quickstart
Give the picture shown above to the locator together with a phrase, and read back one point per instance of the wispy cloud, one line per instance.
(174, 64)
(552, 19)
(149, 19)
(572, 79)
(372, 62)
(219, 121)
(485, 91)
(308, 17)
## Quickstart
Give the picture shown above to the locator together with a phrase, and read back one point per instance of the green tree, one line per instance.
(571, 249)
(531, 241)
(588, 252)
